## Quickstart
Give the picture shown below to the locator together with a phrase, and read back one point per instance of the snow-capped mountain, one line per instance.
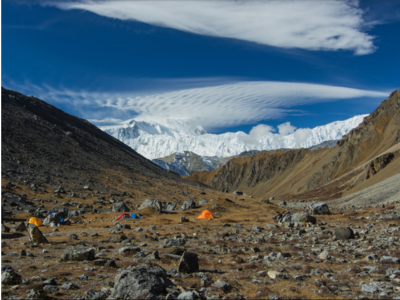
(156, 140)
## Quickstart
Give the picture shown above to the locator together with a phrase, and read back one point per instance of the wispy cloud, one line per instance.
(312, 25)
(226, 105)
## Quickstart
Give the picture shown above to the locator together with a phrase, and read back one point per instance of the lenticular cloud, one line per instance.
(311, 25)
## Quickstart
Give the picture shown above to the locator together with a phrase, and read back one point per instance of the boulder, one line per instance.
(175, 242)
(138, 285)
(320, 209)
(153, 269)
(35, 294)
(35, 235)
(128, 250)
(78, 253)
(170, 207)
(343, 233)
(237, 193)
(291, 218)
(4, 228)
(151, 202)
(20, 227)
(120, 207)
(188, 263)
(188, 204)
(10, 277)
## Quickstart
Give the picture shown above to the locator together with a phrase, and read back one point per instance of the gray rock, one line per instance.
(190, 295)
(223, 285)
(152, 203)
(78, 253)
(291, 218)
(202, 202)
(5, 229)
(237, 193)
(128, 250)
(51, 289)
(388, 217)
(35, 294)
(35, 235)
(10, 277)
(390, 259)
(120, 207)
(175, 242)
(70, 286)
(188, 263)
(343, 233)
(153, 269)
(137, 285)
(20, 227)
(371, 289)
(320, 209)
(170, 207)
(188, 204)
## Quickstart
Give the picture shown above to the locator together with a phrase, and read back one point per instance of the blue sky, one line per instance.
(227, 66)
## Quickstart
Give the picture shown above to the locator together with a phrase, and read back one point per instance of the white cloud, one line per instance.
(211, 107)
(312, 25)
(286, 128)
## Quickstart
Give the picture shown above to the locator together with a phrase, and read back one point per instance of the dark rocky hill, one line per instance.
(42, 144)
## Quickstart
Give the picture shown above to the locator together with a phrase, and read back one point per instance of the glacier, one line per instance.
(156, 140)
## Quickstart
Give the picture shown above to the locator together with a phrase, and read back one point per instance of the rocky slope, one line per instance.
(365, 156)
(186, 162)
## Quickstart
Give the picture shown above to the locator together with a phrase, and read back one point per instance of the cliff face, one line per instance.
(369, 150)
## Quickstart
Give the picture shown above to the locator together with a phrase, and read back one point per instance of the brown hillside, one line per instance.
(359, 159)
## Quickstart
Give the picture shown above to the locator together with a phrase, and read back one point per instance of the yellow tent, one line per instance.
(205, 215)
(35, 221)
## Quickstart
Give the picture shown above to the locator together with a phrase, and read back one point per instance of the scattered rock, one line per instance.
(320, 209)
(152, 203)
(188, 263)
(35, 235)
(120, 207)
(188, 204)
(343, 233)
(78, 253)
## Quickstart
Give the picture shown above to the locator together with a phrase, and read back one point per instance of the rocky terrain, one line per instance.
(253, 248)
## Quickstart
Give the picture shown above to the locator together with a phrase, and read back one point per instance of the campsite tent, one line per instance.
(205, 215)
(123, 216)
(35, 221)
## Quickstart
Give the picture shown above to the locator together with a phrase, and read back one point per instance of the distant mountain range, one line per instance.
(156, 140)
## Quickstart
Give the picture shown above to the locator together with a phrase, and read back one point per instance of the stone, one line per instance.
(202, 202)
(5, 229)
(189, 295)
(343, 233)
(137, 285)
(223, 285)
(368, 288)
(154, 255)
(175, 242)
(128, 250)
(320, 209)
(188, 263)
(51, 289)
(10, 277)
(290, 218)
(237, 193)
(78, 253)
(70, 286)
(153, 269)
(152, 203)
(110, 264)
(324, 255)
(390, 259)
(35, 294)
(120, 207)
(276, 274)
(183, 219)
(188, 204)
(170, 207)
(35, 235)
(20, 227)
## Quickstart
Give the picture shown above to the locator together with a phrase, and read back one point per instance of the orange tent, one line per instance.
(35, 221)
(205, 215)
